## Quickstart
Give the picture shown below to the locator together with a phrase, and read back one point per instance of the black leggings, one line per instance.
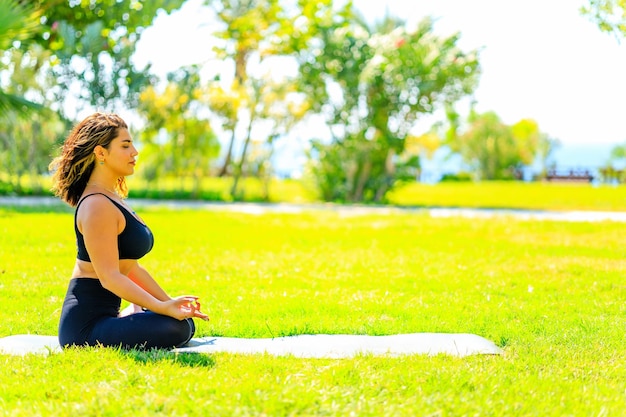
(90, 318)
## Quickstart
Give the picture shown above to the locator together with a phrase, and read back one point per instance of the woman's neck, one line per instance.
(102, 184)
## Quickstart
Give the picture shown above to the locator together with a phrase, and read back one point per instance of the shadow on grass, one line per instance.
(188, 359)
(141, 356)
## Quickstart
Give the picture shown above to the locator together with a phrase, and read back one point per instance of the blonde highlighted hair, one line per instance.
(72, 169)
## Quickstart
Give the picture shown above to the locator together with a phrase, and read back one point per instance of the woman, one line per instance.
(90, 176)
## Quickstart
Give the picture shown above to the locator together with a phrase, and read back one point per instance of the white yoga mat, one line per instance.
(303, 346)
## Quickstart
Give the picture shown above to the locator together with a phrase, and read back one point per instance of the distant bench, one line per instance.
(569, 176)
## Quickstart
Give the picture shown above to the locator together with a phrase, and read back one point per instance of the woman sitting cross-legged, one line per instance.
(90, 175)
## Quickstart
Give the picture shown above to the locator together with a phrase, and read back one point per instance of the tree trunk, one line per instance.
(389, 175)
(363, 176)
(239, 168)
(267, 172)
(229, 155)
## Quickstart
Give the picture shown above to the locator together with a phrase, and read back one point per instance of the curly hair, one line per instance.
(72, 169)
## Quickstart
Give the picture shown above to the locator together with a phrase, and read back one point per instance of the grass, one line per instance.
(512, 194)
(550, 293)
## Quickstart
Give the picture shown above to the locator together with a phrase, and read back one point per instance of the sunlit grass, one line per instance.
(551, 294)
(512, 194)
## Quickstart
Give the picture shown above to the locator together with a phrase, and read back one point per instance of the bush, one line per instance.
(459, 177)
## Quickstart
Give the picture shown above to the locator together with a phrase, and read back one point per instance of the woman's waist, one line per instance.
(85, 269)
(89, 289)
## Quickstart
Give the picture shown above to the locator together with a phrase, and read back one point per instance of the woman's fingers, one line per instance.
(201, 315)
(190, 307)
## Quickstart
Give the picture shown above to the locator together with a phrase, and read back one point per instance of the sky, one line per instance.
(540, 59)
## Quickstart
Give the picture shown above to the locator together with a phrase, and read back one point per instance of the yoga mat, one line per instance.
(303, 346)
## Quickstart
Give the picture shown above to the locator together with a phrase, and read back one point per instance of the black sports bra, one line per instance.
(134, 242)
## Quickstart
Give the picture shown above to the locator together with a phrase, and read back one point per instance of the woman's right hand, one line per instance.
(183, 307)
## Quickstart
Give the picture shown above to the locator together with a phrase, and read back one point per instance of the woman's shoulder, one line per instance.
(92, 198)
(95, 204)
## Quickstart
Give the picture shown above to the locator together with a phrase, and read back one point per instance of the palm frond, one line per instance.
(18, 22)
(19, 105)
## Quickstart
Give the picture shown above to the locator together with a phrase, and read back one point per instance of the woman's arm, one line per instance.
(141, 277)
(100, 223)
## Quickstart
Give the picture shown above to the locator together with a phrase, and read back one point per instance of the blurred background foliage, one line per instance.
(363, 86)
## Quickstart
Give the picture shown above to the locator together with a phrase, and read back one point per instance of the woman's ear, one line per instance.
(99, 151)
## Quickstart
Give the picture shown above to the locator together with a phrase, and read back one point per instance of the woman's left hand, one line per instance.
(192, 309)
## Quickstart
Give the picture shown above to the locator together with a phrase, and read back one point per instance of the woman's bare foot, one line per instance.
(131, 309)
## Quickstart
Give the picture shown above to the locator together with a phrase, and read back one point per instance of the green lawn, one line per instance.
(551, 294)
(512, 194)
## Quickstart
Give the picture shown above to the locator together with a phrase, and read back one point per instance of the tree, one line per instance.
(618, 152)
(247, 24)
(25, 143)
(255, 32)
(495, 150)
(534, 145)
(372, 85)
(489, 147)
(31, 154)
(614, 170)
(18, 23)
(92, 42)
(226, 104)
(59, 52)
(282, 109)
(177, 140)
(609, 15)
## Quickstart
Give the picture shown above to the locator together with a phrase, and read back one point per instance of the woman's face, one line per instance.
(120, 157)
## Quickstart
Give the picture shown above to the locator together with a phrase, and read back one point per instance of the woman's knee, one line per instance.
(177, 332)
(186, 330)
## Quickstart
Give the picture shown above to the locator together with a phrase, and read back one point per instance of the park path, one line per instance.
(345, 210)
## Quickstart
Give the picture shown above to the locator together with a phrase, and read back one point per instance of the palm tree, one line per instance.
(19, 21)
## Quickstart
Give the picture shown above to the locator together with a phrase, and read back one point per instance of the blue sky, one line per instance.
(540, 59)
